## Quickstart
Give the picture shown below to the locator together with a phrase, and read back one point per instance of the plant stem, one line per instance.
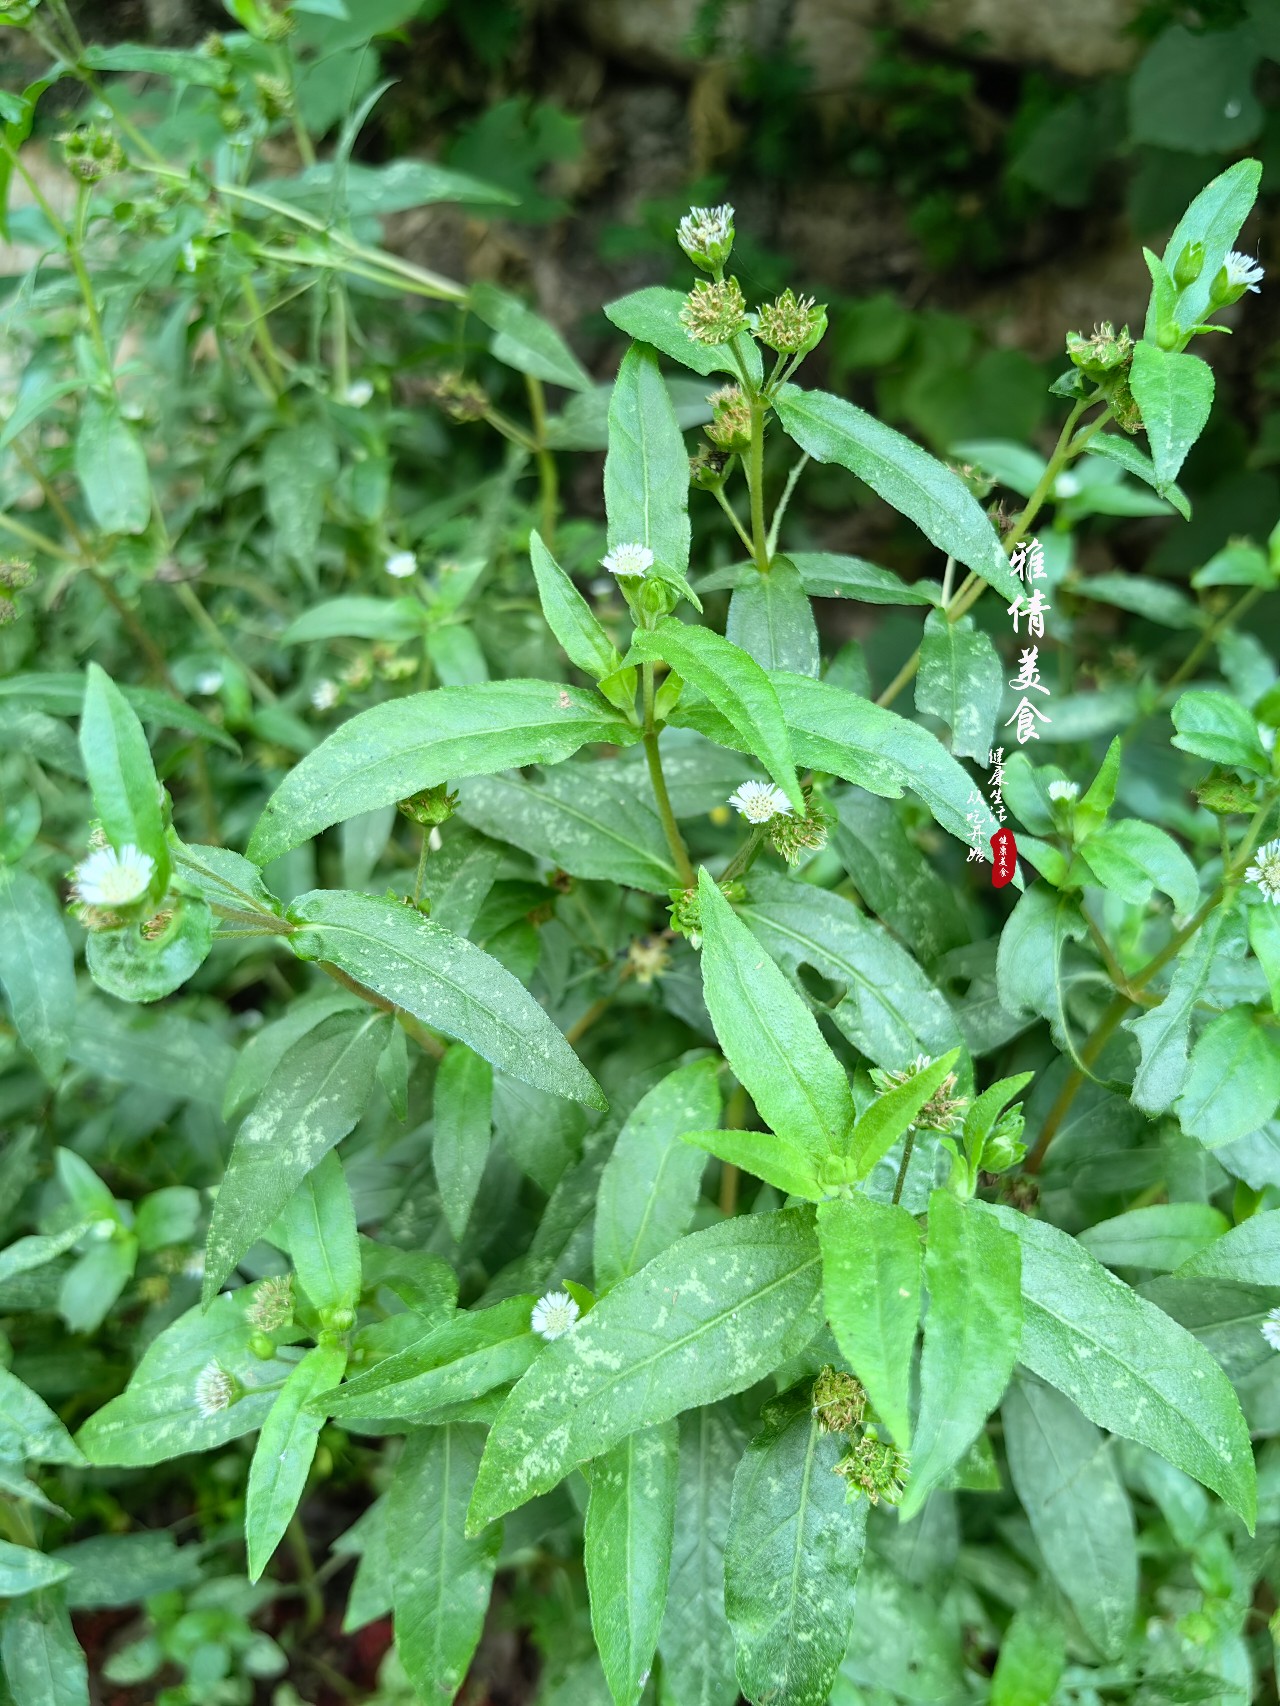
(744, 858)
(675, 841)
(907, 1149)
(755, 480)
(771, 544)
(738, 528)
(548, 479)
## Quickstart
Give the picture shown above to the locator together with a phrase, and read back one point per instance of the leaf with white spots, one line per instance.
(284, 1452)
(708, 1317)
(43, 1664)
(441, 1579)
(627, 1552)
(792, 1558)
(696, 1642)
(871, 1265)
(1126, 1364)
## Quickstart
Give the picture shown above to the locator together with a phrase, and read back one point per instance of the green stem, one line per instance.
(771, 544)
(738, 528)
(675, 841)
(755, 480)
(548, 479)
(37, 541)
(745, 857)
(907, 1150)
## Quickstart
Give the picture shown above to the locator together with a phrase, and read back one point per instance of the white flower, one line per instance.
(706, 233)
(208, 681)
(628, 560)
(1265, 872)
(759, 801)
(190, 260)
(358, 393)
(324, 695)
(1243, 270)
(108, 878)
(215, 1389)
(1270, 1329)
(193, 1266)
(554, 1314)
(1064, 790)
(401, 564)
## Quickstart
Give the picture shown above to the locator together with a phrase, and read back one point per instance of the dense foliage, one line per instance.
(543, 1079)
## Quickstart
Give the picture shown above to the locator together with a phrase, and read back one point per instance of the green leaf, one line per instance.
(1193, 91)
(1248, 1254)
(38, 1249)
(570, 617)
(735, 685)
(696, 1642)
(646, 472)
(395, 749)
(1163, 1032)
(441, 1579)
(1213, 725)
(136, 963)
(1174, 394)
(765, 1156)
(1130, 858)
(61, 694)
(443, 980)
(1129, 1367)
(523, 339)
(320, 1223)
(1239, 563)
(769, 1036)
(358, 619)
(463, 1121)
(395, 187)
(627, 1552)
(771, 619)
(889, 1116)
(1233, 1084)
(1063, 1471)
(311, 1101)
(791, 1560)
(1155, 600)
(590, 825)
(1033, 1656)
(122, 778)
(157, 1417)
(825, 574)
(871, 1264)
(1213, 219)
(660, 1342)
(111, 467)
(652, 316)
(167, 1216)
(916, 484)
(29, 1430)
(1161, 1236)
(971, 1333)
(36, 968)
(23, 1570)
(112, 1570)
(284, 1452)
(649, 1187)
(1029, 962)
(460, 1360)
(1116, 448)
(299, 467)
(266, 1048)
(961, 680)
(92, 1285)
(890, 1011)
(43, 1664)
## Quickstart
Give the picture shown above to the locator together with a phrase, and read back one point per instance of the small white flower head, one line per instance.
(1264, 873)
(1243, 272)
(401, 564)
(358, 393)
(215, 1389)
(110, 878)
(190, 260)
(1270, 1329)
(193, 1266)
(208, 682)
(554, 1315)
(706, 235)
(629, 561)
(324, 695)
(1064, 792)
(759, 801)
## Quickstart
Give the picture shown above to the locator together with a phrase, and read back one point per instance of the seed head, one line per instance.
(216, 1389)
(647, 958)
(460, 398)
(554, 1315)
(1103, 352)
(874, 1467)
(1264, 873)
(706, 235)
(839, 1401)
(713, 313)
(107, 878)
(790, 323)
(759, 802)
(941, 1111)
(730, 427)
(429, 806)
(793, 836)
(91, 152)
(272, 1305)
(16, 573)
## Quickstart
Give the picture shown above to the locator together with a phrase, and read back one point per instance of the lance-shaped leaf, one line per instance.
(649, 1187)
(312, 1100)
(696, 1642)
(23, 1569)
(463, 1124)
(1233, 1082)
(445, 981)
(283, 1455)
(523, 339)
(1130, 858)
(708, 1317)
(791, 1559)
(111, 466)
(441, 1578)
(1033, 1656)
(1162, 1236)
(569, 616)
(652, 316)
(122, 778)
(771, 618)
(1174, 393)
(871, 1262)
(1248, 1254)
(961, 681)
(36, 968)
(736, 687)
(627, 1552)
(43, 1663)
(913, 482)
(1064, 1472)
(888, 1117)
(319, 1221)
(765, 1156)
(1214, 220)
(971, 1336)
(1123, 1362)
(646, 472)
(769, 1036)
(392, 750)
(1163, 1033)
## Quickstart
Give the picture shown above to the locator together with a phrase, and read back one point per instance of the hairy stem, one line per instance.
(671, 829)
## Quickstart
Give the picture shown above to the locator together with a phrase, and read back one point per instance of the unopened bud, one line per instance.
(429, 806)
(1189, 265)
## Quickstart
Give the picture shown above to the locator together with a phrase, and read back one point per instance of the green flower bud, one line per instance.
(655, 597)
(263, 1346)
(429, 806)
(1189, 265)
(338, 1320)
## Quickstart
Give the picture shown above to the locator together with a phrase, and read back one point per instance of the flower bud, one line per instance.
(655, 597)
(1189, 265)
(263, 1346)
(706, 236)
(429, 806)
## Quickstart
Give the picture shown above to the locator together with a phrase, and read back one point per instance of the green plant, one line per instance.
(650, 1203)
